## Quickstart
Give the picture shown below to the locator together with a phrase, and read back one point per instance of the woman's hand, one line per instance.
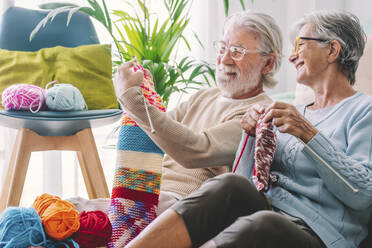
(126, 78)
(288, 120)
(250, 118)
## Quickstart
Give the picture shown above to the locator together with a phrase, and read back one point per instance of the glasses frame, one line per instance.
(296, 48)
(216, 45)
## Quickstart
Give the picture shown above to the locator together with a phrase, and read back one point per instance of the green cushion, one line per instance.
(89, 68)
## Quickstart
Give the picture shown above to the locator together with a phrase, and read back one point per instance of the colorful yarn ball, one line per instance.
(23, 97)
(59, 218)
(64, 97)
(21, 227)
(95, 229)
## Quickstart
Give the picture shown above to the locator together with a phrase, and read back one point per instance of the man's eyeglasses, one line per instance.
(236, 52)
(296, 43)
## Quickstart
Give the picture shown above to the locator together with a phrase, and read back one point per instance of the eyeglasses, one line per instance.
(236, 52)
(296, 43)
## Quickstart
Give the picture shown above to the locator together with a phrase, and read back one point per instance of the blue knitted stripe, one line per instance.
(133, 138)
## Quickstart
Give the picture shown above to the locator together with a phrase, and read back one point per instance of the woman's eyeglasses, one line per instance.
(236, 52)
(296, 43)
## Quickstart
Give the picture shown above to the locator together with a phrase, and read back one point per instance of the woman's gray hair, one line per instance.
(269, 33)
(342, 26)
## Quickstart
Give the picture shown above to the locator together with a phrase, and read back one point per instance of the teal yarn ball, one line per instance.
(64, 97)
(21, 227)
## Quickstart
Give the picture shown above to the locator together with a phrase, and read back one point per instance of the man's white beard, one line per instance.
(237, 85)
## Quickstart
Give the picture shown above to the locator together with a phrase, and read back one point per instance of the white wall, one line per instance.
(4, 4)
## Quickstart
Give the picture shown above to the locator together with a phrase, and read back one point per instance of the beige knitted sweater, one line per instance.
(199, 138)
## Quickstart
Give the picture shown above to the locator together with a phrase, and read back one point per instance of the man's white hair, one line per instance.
(269, 33)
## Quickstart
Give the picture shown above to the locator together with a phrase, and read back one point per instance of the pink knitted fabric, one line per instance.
(264, 153)
(137, 179)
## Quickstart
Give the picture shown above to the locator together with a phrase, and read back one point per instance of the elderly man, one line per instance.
(200, 137)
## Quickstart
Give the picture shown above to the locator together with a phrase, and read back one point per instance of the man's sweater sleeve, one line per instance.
(354, 165)
(210, 147)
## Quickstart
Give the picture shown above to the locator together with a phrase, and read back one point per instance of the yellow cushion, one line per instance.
(89, 68)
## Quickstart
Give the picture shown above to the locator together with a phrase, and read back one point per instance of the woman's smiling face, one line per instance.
(311, 59)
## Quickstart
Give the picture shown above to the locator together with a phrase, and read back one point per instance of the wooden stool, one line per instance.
(28, 141)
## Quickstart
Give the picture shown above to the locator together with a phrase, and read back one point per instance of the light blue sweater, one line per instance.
(309, 190)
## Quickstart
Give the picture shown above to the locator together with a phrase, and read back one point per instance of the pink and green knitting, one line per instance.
(136, 188)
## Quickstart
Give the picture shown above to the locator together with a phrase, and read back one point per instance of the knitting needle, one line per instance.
(148, 115)
(241, 153)
(329, 167)
(134, 60)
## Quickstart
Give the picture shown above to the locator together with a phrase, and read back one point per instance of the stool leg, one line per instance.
(90, 165)
(17, 170)
(9, 174)
(87, 182)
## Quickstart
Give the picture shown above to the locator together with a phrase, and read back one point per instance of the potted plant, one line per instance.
(141, 35)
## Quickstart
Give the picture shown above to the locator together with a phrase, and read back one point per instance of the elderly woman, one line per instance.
(322, 196)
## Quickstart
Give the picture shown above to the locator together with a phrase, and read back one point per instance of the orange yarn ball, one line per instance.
(60, 219)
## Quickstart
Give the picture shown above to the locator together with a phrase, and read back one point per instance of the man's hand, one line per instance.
(126, 78)
(250, 118)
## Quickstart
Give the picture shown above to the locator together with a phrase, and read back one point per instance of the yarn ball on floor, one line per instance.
(59, 218)
(95, 229)
(21, 227)
(23, 97)
(65, 97)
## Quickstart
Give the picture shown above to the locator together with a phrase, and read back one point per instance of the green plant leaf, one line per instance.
(242, 4)
(144, 9)
(178, 11)
(186, 42)
(124, 16)
(196, 72)
(98, 12)
(153, 41)
(197, 38)
(108, 18)
(155, 28)
(166, 5)
(226, 5)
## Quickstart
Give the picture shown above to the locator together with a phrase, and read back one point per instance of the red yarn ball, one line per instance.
(95, 229)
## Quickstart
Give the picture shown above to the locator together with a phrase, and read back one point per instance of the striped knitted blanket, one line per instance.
(137, 179)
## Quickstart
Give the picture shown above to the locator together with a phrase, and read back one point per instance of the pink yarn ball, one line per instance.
(23, 97)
